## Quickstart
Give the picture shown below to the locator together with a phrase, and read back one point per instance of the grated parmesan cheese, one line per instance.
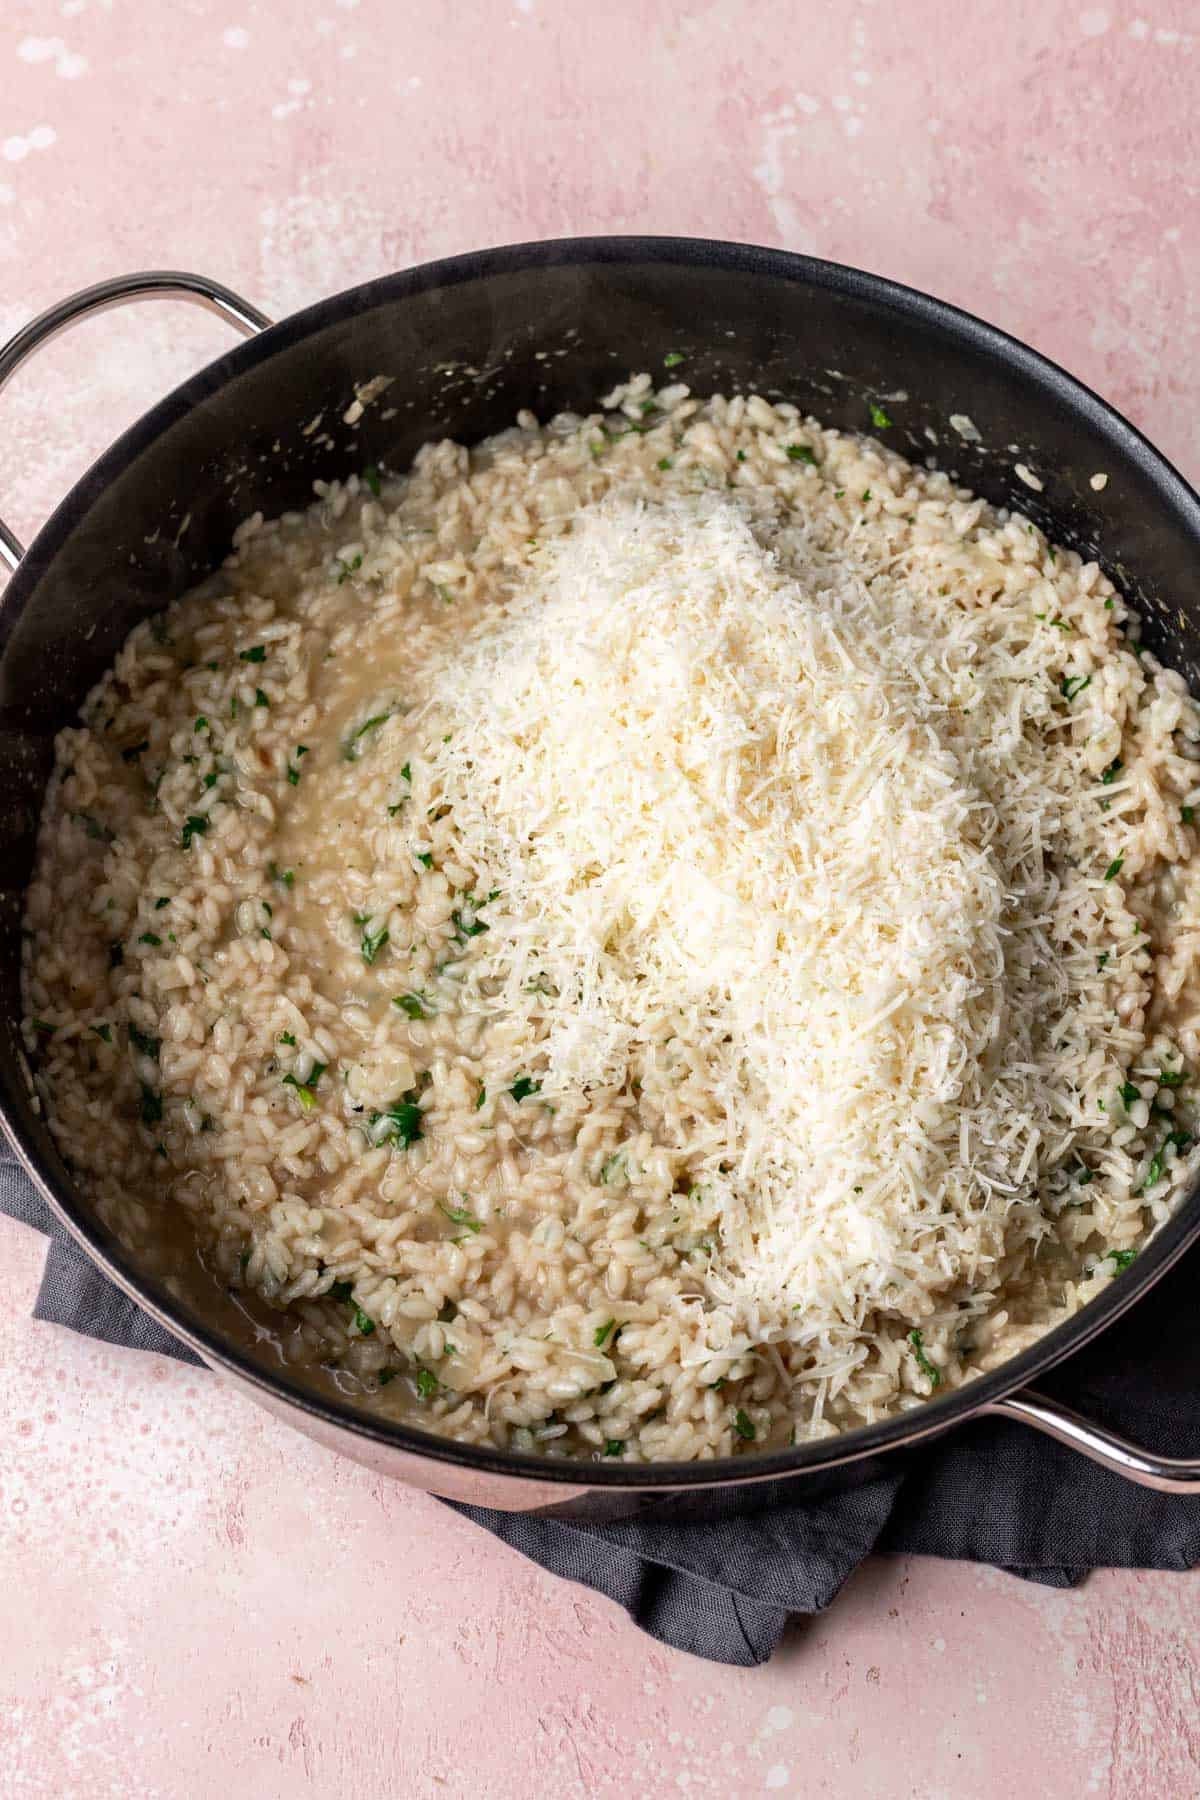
(778, 845)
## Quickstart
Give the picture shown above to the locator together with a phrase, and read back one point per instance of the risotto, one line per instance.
(662, 935)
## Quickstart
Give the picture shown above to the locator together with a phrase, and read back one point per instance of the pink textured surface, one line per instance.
(196, 1601)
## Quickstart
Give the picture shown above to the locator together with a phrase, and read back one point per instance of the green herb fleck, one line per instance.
(304, 1089)
(103, 1031)
(1102, 959)
(427, 1384)
(386, 1375)
(256, 655)
(1129, 1093)
(412, 1004)
(1121, 1259)
(425, 858)
(880, 419)
(341, 1290)
(346, 569)
(1114, 868)
(480, 1097)
(149, 937)
(371, 477)
(801, 453)
(372, 942)
(260, 699)
(1187, 814)
(364, 1324)
(664, 462)
(614, 1446)
(523, 1086)
(602, 1333)
(141, 1040)
(403, 1126)
(1113, 770)
(458, 1215)
(930, 1372)
(672, 359)
(1071, 686)
(352, 749)
(1172, 1078)
(287, 1037)
(194, 826)
(744, 1425)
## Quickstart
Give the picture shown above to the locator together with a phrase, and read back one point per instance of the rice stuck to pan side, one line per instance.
(666, 934)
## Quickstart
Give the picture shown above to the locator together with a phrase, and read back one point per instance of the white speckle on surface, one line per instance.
(1094, 22)
(805, 103)
(525, 6)
(841, 103)
(777, 1775)
(1099, 481)
(965, 427)
(7, 195)
(68, 64)
(298, 86)
(852, 127)
(1139, 29)
(16, 149)
(934, 128)
(1026, 474)
(862, 77)
(939, 1644)
(779, 1718)
(235, 37)
(346, 5)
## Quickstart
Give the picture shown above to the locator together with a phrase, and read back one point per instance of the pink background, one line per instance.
(196, 1601)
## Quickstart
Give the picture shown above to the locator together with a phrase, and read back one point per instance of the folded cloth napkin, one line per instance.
(724, 1586)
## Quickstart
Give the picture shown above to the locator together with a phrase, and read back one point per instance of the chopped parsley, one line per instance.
(523, 1086)
(672, 359)
(412, 1004)
(602, 1333)
(469, 926)
(152, 1110)
(480, 1097)
(614, 1446)
(801, 453)
(352, 748)
(364, 1324)
(1129, 1093)
(141, 1040)
(371, 942)
(932, 1374)
(1121, 1259)
(880, 418)
(103, 1031)
(341, 1290)
(293, 770)
(346, 569)
(287, 1037)
(160, 903)
(45, 1029)
(1113, 770)
(260, 699)
(1187, 814)
(425, 858)
(285, 877)
(1172, 1078)
(194, 826)
(458, 1215)
(664, 462)
(1071, 686)
(371, 477)
(201, 724)
(304, 1089)
(151, 938)
(1114, 868)
(256, 655)
(399, 1124)
(386, 1375)
(1102, 959)
(744, 1425)
(427, 1384)
(210, 780)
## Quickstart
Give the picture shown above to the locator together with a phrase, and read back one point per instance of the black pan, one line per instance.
(466, 343)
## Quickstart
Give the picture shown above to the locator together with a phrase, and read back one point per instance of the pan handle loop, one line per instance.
(149, 284)
(1166, 1474)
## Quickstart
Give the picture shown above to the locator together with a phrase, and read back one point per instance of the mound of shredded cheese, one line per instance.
(774, 851)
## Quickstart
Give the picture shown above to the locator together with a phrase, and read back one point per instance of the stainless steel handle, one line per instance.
(1168, 1474)
(150, 284)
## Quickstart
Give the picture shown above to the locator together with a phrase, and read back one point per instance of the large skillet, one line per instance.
(467, 342)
